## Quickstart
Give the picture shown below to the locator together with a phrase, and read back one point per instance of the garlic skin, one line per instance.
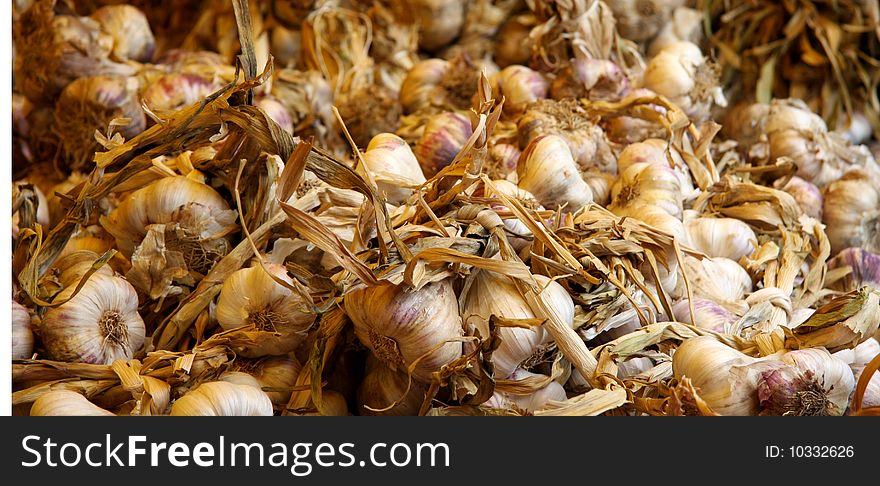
(851, 212)
(99, 325)
(132, 37)
(686, 24)
(419, 86)
(400, 325)
(520, 86)
(277, 112)
(646, 184)
(533, 402)
(807, 196)
(865, 267)
(680, 73)
(277, 372)
(22, 336)
(504, 159)
(92, 103)
(816, 383)
(440, 21)
(444, 136)
(587, 142)
(547, 170)
(250, 297)
(707, 314)
(393, 166)
(596, 79)
(640, 20)
(383, 386)
(721, 237)
(600, 185)
(66, 403)
(493, 294)
(177, 90)
(720, 280)
(512, 40)
(223, 399)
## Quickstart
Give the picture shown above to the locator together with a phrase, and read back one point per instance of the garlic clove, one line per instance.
(418, 329)
(66, 403)
(100, 324)
(721, 237)
(393, 166)
(548, 171)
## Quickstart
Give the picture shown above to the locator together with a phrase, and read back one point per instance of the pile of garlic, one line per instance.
(474, 208)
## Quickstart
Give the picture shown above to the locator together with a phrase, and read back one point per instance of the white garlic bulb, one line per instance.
(278, 373)
(647, 184)
(444, 136)
(100, 324)
(132, 37)
(401, 325)
(680, 73)
(720, 280)
(707, 314)
(807, 196)
(393, 166)
(548, 171)
(531, 402)
(418, 87)
(440, 21)
(520, 86)
(816, 383)
(22, 336)
(223, 399)
(851, 212)
(686, 24)
(66, 403)
(251, 297)
(493, 294)
(721, 237)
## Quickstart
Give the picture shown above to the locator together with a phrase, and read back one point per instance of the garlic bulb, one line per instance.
(802, 382)
(807, 196)
(369, 110)
(419, 87)
(851, 212)
(686, 24)
(600, 185)
(22, 336)
(707, 314)
(520, 86)
(333, 403)
(277, 112)
(393, 166)
(277, 372)
(71, 266)
(100, 324)
(285, 45)
(439, 21)
(640, 20)
(721, 237)
(383, 386)
(444, 136)
(567, 119)
(66, 403)
(177, 90)
(401, 325)
(493, 294)
(512, 41)
(94, 103)
(504, 159)
(250, 297)
(680, 73)
(794, 131)
(596, 79)
(865, 267)
(647, 184)
(223, 399)
(169, 200)
(132, 37)
(531, 402)
(547, 170)
(720, 280)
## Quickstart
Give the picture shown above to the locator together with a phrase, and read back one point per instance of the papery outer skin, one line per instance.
(66, 403)
(223, 399)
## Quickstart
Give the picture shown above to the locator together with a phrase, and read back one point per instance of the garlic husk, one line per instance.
(277, 112)
(94, 103)
(57, 211)
(444, 136)
(865, 267)
(439, 21)
(600, 184)
(401, 325)
(686, 24)
(132, 37)
(333, 404)
(42, 209)
(531, 402)
(807, 196)
(277, 372)
(100, 324)
(587, 142)
(161, 202)
(794, 131)
(251, 297)
(520, 86)
(816, 383)
(680, 73)
(641, 20)
(851, 212)
(393, 166)
(547, 170)
(223, 399)
(22, 336)
(66, 403)
(707, 314)
(383, 386)
(493, 294)
(177, 90)
(369, 110)
(721, 237)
